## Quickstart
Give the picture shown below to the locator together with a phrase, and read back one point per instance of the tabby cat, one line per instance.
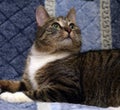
(57, 72)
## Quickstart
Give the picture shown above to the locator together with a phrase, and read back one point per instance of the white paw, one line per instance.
(15, 97)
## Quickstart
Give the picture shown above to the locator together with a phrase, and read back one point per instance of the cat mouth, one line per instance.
(68, 40)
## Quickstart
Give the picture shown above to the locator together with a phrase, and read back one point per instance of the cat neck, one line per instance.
(35, 52)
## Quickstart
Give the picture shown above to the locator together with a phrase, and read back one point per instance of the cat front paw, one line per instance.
(6, 96)
(17, 97)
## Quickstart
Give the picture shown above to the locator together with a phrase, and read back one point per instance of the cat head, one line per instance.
(56, 34)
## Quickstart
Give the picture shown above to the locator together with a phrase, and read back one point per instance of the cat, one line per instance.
(56, 71)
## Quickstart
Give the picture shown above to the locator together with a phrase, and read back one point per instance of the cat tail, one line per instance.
(12, 86)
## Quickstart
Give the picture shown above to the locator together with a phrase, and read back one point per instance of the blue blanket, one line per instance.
(99, 21)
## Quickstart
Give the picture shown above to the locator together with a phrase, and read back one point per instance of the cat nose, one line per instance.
(67, 29)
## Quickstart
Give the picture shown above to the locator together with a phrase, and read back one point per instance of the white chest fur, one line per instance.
(37, 61)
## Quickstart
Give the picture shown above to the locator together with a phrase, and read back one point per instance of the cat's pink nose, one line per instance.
(67, 29)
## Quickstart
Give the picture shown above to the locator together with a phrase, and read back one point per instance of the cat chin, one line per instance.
(67, 41)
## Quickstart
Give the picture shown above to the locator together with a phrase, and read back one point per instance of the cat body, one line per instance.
(57, 72)
(78, 78)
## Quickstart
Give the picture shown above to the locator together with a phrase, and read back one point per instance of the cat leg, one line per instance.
(46, 95)
(12, 86)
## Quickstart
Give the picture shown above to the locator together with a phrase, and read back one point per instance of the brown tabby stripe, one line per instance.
(12, 86)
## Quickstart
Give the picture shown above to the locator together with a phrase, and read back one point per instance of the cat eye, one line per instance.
(56, 26)
(71, 26)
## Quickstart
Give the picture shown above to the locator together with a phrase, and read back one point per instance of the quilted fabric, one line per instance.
(17, 31)
(19, 106)
(115, 22)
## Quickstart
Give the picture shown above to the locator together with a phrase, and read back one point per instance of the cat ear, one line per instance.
(72, 15)
(41, 16)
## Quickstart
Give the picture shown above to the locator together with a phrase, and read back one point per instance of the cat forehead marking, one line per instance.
(63, 21)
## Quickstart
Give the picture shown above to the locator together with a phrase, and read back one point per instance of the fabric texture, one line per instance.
(99, 21)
